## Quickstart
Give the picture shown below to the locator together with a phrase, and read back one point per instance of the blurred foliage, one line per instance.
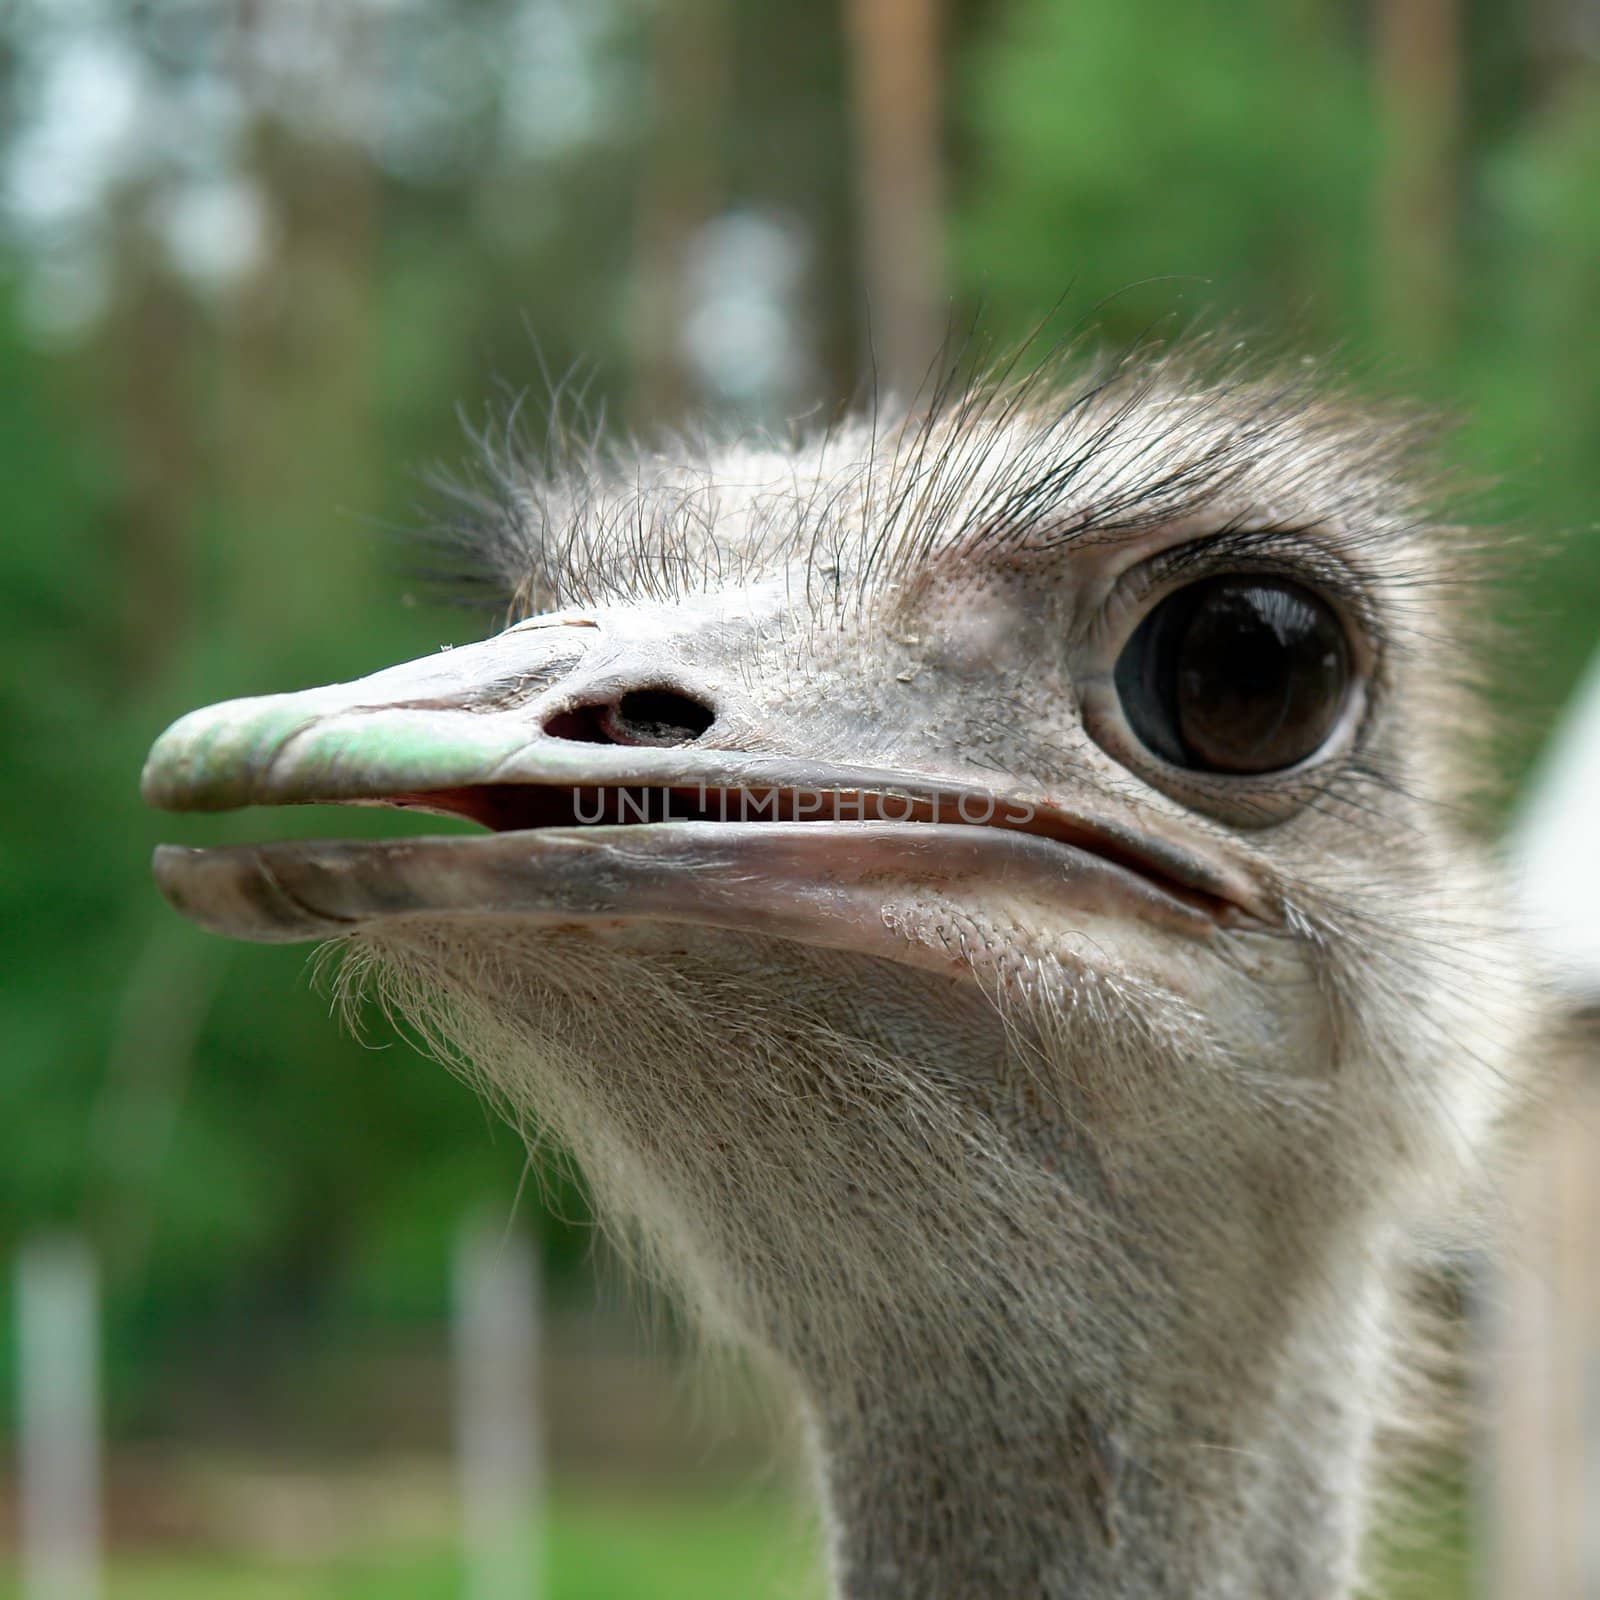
(1144, 160)
(252, 262)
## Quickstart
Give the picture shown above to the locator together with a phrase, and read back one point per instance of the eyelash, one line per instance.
(1277, 552)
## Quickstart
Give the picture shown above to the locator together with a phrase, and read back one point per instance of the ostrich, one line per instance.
(980, 892)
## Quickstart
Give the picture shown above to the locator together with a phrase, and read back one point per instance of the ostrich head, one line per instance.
(979, 894)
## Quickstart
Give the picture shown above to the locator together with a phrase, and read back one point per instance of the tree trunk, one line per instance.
(896, 81)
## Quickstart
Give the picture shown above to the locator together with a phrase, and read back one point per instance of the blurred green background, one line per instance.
(258, 263)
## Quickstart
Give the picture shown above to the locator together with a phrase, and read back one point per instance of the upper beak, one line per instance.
(782, 844)
(449, 719)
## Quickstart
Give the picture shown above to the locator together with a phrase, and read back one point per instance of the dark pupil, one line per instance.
(1241, 675)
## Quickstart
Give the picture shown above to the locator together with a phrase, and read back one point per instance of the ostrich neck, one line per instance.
(965, 1485)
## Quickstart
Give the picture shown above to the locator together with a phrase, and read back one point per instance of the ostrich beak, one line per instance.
(604, 833)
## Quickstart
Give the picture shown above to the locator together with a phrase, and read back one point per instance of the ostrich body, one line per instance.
(979, 896)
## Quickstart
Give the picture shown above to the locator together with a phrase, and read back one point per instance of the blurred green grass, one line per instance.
(605, 1546)
(597, 1548)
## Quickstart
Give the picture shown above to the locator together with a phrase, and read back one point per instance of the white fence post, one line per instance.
(1542, 1338)
(497, 1416)
(58, 1439)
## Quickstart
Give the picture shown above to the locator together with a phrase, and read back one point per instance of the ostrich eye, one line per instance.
(1238, 674)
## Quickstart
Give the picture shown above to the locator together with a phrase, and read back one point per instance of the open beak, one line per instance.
(590, 831)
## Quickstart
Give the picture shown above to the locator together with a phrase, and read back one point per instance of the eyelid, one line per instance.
(1291, 553)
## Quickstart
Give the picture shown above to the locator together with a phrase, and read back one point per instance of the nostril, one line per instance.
(657, 716)
(642, 716)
